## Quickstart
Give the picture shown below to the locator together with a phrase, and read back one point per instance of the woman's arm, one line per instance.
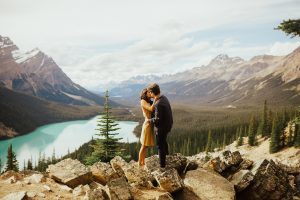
(147, 106)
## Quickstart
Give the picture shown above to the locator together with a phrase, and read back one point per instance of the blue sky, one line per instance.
(98, 43)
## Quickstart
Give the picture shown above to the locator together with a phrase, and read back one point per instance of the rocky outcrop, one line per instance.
(226, 176)
(209, 185)
(226, 161)
(15, 196)
(70, 172)
(242, 180)
(169, 180)
(119, 189)
(176, 161)
(269, 182)
(103, 172)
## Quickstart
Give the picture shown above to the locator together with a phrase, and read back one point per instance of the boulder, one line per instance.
(209, 185)
(226, 160)
(242, 179)
(118, 164)
(119, 189)
(15, 196)
(150, 194)
(246, 164)
(137, 175)
(169, 180)
(65, 188)
(176, 161)
(269, 182)
(96, 194)
(34, 178)
(103, 172)
(70, 172)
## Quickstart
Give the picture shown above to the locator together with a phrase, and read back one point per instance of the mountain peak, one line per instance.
(224, 59)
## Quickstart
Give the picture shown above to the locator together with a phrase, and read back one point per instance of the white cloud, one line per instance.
(97, 41)
(283, 48)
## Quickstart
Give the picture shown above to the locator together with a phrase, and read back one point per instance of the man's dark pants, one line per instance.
(162, 145)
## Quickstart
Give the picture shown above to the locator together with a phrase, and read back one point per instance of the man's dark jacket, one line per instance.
(163, 119)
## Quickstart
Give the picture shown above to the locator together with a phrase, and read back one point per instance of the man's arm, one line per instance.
(157, 115)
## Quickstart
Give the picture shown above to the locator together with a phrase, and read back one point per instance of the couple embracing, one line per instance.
(158, 123)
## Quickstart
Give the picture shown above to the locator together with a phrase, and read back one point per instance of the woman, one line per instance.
(147, 137)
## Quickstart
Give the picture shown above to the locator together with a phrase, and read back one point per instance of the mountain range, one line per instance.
(37, 74)
(227, 81)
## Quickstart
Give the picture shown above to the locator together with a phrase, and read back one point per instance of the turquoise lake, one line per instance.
(62, 137)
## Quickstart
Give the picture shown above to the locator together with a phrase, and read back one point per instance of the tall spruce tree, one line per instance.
(107, 145)
(12, 163)
(29, 164)
(264, 126)
(275, 136)
(209, 143)
(297, 136)
(252, 131)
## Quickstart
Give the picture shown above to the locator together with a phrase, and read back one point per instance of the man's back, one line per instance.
(163, 114)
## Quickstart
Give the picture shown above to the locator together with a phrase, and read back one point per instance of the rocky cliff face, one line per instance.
(37, 74)
(227, 175)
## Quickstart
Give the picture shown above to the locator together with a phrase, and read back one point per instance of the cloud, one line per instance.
(97, 42)
(283, 48)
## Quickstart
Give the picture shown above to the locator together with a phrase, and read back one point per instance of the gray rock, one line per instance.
(103, 172)
(119, 189)
(169, 180)
(209, 185)
(40, 194)
(70, 172)
(96, 194)
(15, 196)
(47, 188)
(31, 194)
(66, 188)
(246, 164)
(118, 164)
(78, 191)
(176, 161)
(150, 194)
(270, 182)
(242, 180)
(136, 175)
(225, 160)
(35, 178)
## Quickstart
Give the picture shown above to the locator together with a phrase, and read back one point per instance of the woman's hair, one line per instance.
(144, 95)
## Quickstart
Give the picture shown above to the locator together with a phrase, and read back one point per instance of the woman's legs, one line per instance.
(142, 155)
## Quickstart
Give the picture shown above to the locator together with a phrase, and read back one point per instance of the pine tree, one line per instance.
(29, 164)
(252, 132)
(275, 136)
(264, 126)
(297, 136)
(224, 141)
(291, 27)
(290, 139)
(209, 143)
(240, 140)
(12, 163)
(53, 158)
(107, 146)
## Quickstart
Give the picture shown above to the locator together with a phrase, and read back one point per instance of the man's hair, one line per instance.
(154, 88)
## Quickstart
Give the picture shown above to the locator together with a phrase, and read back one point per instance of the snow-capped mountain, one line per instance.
(37, 74)
(230, 80)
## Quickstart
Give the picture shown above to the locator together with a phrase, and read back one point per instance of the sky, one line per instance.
(99, 43)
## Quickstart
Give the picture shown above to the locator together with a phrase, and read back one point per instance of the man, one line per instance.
(163, 121)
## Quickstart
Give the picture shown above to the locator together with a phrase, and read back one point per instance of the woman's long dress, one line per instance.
(147, 135)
